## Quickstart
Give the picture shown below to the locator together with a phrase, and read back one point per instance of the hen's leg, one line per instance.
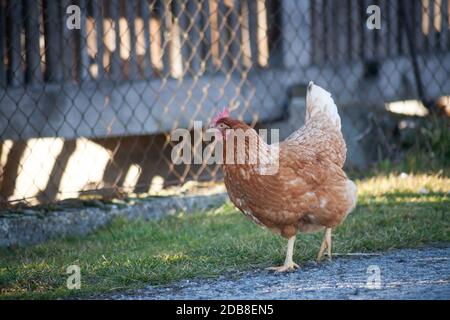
(329, 243)
(326, 244)
(288, 263)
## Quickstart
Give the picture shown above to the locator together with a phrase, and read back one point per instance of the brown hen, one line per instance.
(296, 185)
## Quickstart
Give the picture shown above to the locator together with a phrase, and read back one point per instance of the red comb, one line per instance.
(225, 113)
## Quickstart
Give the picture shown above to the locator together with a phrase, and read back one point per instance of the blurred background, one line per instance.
(88, 112)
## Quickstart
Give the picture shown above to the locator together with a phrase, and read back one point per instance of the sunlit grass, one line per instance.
(413, 184)
(394, 211)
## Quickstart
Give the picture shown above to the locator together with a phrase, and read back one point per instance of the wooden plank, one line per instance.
(157, 33)
(401, 31)
(166, 26)
(97, 13)
(115, 70)
(384, 35)
(437, 23)
(361, 31)
(296, 33)
(14, 22)
(68, 63)
(315, 49)
(225, 36)
(207, 63)
(215, 35)
(378, 33)
(3, 36)
(235, 36)
(54, 23)
(83, 63)
(391, 29)
(415, 11)
(326, 36)
(369, 35)
(263, 32)
(341, 35)
(147, 61)
(352, 29)
(130, 15)
(441, 22)
(253, 27)
(183, 21)
(446, 24)
(246, 49)
(387, 27)
(275, 33)
(425, 24)
(179, 53)
(194, 8)
(333, 33)
(432, 35)
(33, 56)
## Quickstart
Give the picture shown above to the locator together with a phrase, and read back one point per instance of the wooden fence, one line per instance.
(144, 67)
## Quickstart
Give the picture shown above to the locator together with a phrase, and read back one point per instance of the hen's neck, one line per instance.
(244, 147)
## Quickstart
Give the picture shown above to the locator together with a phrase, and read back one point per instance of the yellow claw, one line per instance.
(284, 268)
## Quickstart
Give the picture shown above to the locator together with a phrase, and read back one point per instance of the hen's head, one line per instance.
(225, 113)
(224, 124)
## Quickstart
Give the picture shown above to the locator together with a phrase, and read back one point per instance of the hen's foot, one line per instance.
(318, 259)
(286, 267)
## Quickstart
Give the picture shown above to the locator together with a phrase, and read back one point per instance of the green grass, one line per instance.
(391, 213)
(424, 149)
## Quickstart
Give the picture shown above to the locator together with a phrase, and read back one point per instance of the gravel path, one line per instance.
(405, 274)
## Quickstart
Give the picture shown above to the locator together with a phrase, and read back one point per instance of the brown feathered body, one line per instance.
(308, 190)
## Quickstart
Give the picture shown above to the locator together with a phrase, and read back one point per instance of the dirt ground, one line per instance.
(399, 274)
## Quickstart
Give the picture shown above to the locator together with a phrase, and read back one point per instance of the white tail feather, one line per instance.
(320, 105)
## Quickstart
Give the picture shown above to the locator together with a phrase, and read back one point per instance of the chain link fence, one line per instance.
(91, 90)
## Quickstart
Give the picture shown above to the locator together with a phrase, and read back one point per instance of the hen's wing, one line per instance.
(280, 200)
